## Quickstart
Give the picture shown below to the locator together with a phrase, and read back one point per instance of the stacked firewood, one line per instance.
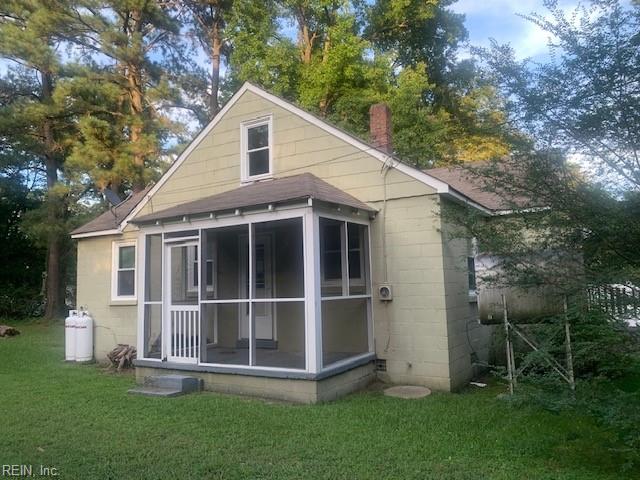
(7, 331)
(122, 356)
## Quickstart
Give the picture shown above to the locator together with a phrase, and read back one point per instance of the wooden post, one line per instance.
(567, 333)
(509, 349)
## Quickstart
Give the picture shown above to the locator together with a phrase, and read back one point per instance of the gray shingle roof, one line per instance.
(475, 187)
(112, 218)
(280, 190)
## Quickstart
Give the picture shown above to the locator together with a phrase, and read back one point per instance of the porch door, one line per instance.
(182, 309)
(263, 278)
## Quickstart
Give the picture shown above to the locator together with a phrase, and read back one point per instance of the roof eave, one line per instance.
(97, 233)
(199, 216)
(461, 199)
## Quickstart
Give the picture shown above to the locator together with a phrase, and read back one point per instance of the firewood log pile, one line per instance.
(122, 356)
(7, 331)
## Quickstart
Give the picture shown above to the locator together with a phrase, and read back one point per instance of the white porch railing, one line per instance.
(184, 322)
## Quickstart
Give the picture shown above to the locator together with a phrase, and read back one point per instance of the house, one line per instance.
(282, 257)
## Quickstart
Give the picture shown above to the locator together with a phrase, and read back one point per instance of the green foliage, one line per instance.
(21, 256)
(258, 53)
(342, 83)
(579, 175)
(350, 55)
(122, 109)
(421, 134)
(460, 116)
(585, 100)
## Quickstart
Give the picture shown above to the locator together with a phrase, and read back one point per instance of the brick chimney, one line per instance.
(380, 127)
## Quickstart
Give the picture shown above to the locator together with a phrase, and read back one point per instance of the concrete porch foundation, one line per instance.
(287, 389)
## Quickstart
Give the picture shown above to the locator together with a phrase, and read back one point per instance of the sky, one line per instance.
(498, 19)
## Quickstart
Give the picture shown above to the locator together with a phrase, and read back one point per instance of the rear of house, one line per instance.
(281, 257)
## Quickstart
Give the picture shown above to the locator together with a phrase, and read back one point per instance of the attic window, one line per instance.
(256, 149)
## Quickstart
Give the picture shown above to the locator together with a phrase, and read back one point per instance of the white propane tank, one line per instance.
(84, 337)
(70, 336)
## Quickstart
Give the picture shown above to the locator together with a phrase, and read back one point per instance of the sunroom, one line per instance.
(271, 279)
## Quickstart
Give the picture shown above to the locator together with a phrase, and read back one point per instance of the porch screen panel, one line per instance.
(153, 269)
(278, 259)
(183, 289)
(222, 334)
(279, 334)
(345, 289)
(344, 329)
(152, 321)
(225, 263)
(152, 331)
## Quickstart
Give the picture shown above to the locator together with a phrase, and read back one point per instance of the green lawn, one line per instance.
(80, 420)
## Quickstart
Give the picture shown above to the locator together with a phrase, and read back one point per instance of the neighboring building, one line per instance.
(258, 262)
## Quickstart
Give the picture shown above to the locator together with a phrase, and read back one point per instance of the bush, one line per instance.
(20, 302)
(606, 360)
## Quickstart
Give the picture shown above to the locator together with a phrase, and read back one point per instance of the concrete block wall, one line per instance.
(411, 331)
(287, 389)
(465, 335)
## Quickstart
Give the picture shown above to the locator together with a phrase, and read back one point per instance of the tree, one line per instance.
(585, 101)
(578, 178)
(32, 122)
(584, 104)
(21, 256)
(132, 54)
(258, 52)
(425, 36)
(208, 21)
(417, 32)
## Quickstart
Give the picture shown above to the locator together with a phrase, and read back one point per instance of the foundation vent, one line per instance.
(381, 365)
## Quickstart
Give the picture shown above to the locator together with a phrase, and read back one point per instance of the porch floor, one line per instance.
(266, 357)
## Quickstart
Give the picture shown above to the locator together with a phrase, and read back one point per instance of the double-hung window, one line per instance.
(256, 147)
(343, 257)
(123, 278)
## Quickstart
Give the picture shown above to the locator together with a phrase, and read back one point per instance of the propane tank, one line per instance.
(84, 337)
(70, 336)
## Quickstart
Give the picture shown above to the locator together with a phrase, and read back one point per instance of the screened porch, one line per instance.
(277, 288)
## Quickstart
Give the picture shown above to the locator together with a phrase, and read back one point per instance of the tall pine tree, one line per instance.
(132, 53)
(34, 124)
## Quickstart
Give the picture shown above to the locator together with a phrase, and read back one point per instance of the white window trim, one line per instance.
(115, 256)
(192, 269)
(210, 286)
(244, 157)
(345, 281)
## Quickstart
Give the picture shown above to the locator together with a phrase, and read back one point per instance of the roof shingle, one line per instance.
(112, 218)
(477, 188)
(279, 190)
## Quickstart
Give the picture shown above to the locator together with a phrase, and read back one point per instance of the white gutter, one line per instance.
(99, 233)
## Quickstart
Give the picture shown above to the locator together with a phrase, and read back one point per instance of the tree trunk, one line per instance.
(216, 49)
(136, 97)
(55, 285)
(306, 38)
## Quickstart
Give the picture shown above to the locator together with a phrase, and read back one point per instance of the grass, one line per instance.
(79, 419)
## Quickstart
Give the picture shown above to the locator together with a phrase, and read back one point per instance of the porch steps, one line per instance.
(167, 386)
